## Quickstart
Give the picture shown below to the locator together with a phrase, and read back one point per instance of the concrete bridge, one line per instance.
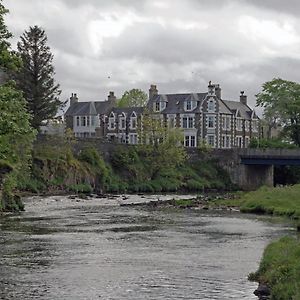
(252, 168)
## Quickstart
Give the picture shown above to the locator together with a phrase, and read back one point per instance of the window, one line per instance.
(225, 141)
(188, 105)
(190, 141)
(193, 141)
(133, 139)
(172, 121)
(211, 106)
(187, 122)
(111, 122)
(77, 121)
(122, 123)
(247, 125)
(246, 141)
(239, 141)
(239, 124)
(133, 122)
(83, 121)
(211, 140)
(254, 126)
(211, 122)
(88, 121)
(226, 120)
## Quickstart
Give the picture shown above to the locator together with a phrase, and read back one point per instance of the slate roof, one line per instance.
(88, 108)
(175, 102)
(244, 110)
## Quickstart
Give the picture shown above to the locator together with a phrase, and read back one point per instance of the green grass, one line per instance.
(279, 201)
(282, 201)
(280, 269)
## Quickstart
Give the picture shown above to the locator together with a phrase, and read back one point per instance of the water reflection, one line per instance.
(68, 249)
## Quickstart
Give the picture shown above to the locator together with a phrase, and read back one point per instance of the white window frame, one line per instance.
(190, 141)
(190, 122)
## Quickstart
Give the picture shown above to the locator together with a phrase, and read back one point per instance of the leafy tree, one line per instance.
(133, 98)
(161, 144)
(36, 77)
(8, 60)
(281, 102)
(16, 135)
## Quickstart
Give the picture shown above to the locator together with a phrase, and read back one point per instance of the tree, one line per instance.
(36, 77)
(162, 145)
(281, 102)
(133, 98)
(16, 135)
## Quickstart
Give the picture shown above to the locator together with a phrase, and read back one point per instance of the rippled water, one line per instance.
(64, 248)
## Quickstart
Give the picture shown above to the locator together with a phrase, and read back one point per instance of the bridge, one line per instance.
(252, 168)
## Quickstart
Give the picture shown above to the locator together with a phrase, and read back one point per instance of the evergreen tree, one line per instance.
(36, 77)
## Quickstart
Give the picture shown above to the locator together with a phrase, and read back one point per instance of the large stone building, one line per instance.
(203, 117)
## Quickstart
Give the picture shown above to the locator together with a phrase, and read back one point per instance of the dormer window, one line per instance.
(190, 105)
(133, 121)
(122, 121)
(112, 121)
(159, 106)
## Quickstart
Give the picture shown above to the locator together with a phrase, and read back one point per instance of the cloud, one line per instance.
(180, 45)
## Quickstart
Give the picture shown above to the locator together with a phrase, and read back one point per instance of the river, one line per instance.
(62, 248)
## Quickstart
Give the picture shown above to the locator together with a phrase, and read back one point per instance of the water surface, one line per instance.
(64, 248)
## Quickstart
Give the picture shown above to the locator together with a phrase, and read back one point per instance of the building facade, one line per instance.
(205, 118)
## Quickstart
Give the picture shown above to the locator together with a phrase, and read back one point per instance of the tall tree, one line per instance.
(16, 135)
(281, 102)
(133, 98)
(36, 77)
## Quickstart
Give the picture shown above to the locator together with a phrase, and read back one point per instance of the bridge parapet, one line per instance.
(269, 153)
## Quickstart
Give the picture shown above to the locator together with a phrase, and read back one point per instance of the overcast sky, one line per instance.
(180, 45)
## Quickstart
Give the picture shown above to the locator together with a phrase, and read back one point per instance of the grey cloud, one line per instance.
(290, 6)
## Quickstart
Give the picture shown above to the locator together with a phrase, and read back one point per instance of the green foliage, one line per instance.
(281, 102)
(280, 269)
(36, 76)
(275, 143)
(8, 60)
(133, 98)
(93, 158)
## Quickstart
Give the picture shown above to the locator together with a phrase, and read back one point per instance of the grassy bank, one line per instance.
(280, 269)
(279, 201)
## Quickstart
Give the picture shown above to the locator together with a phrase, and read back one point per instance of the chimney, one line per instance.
(243, 98)
(73, 99)
(112, 98)
(152, 91)
(218, 91)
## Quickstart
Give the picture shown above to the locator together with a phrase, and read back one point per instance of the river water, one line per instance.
(63, 248)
